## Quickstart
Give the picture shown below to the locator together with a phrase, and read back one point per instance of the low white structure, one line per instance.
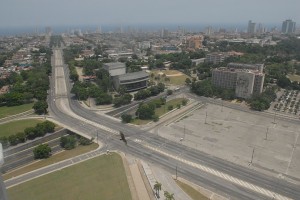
(1, 155)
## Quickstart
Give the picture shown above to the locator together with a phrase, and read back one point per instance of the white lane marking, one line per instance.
(225, 176)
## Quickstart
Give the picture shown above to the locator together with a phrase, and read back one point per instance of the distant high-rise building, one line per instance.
(251, 27)
(48, 30)
(208, 30)
(288, 26)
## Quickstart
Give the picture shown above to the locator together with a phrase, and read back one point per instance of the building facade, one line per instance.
(246, 80)
(130, 81)
(215, 58)
(288, 27)
(251, 27)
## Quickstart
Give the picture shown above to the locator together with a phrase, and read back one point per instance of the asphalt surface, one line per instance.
(69, 112)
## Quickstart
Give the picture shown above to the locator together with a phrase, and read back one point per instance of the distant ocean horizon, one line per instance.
(30, 30)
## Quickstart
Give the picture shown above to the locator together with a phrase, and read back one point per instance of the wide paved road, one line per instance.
(233, 180)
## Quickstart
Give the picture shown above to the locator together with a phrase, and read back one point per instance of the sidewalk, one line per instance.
(168, 184)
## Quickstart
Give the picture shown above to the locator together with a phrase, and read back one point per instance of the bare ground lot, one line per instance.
(232, 135)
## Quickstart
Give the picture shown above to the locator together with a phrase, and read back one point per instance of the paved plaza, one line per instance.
(240, 137)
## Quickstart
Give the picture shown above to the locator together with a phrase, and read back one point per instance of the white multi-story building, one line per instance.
(246, 80)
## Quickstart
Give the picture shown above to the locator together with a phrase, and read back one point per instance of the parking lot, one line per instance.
(246, 139)
(288, 102)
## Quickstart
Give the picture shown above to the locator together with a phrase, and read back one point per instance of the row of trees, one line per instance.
(40, 130)
(157, 188)
(83, 91)
(263, 101)
(71, 141)
(207, 89)
(152, 91)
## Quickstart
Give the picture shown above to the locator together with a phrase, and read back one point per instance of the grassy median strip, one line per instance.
(102, 177)
(17, 126)
(194, 194)
(53, 159)
(13, 110)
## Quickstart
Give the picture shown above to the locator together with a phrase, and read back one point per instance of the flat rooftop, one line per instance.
(115, 65)
(133, 76)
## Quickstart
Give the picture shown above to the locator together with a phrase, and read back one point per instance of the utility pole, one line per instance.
(176, 173)
(184, 132)
(205, 117)
(252, 155)
(274, 117)
(267, 134)
(222, 106)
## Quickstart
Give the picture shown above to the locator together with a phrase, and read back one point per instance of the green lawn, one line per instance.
(293, 77)
(164, 108)
(53, 159)
(99, 178)
(194, 194)
(179, 79)
(7, 111)
(14, 127)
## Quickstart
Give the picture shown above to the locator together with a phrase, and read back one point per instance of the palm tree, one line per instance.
(169, 196)
(157, 188)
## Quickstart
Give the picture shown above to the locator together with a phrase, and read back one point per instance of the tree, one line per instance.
(4, 142)
(169, 196)
(68, 142)
(13, 140)
(21, 137)
(145, 111)
(126, 118)
(169, 92)
(157, 188)
(42, 151)
(40, 107)
(84, 141)
(30, 133)
(188, 81)
(184, 102)
(49, 126)
(170, 107)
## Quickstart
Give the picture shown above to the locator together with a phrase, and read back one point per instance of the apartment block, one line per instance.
(245, 79)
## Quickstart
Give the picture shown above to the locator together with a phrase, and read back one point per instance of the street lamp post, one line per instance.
(274, 117)
(252, 155)
(267, 133)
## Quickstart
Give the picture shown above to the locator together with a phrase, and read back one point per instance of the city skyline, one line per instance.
(16, 13)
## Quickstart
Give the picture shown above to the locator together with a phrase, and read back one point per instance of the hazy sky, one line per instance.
(117, 12)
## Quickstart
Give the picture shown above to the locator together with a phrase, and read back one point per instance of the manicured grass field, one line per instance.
(178, 79)
(194, 194)
(53, 159)
(293, 77)
(14, 127)
(7, 111)
(99, 178)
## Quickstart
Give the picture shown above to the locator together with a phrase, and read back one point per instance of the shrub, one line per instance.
(68, 142)
(126, 118)
(170, 107)
(42, 151)
(84, 141)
